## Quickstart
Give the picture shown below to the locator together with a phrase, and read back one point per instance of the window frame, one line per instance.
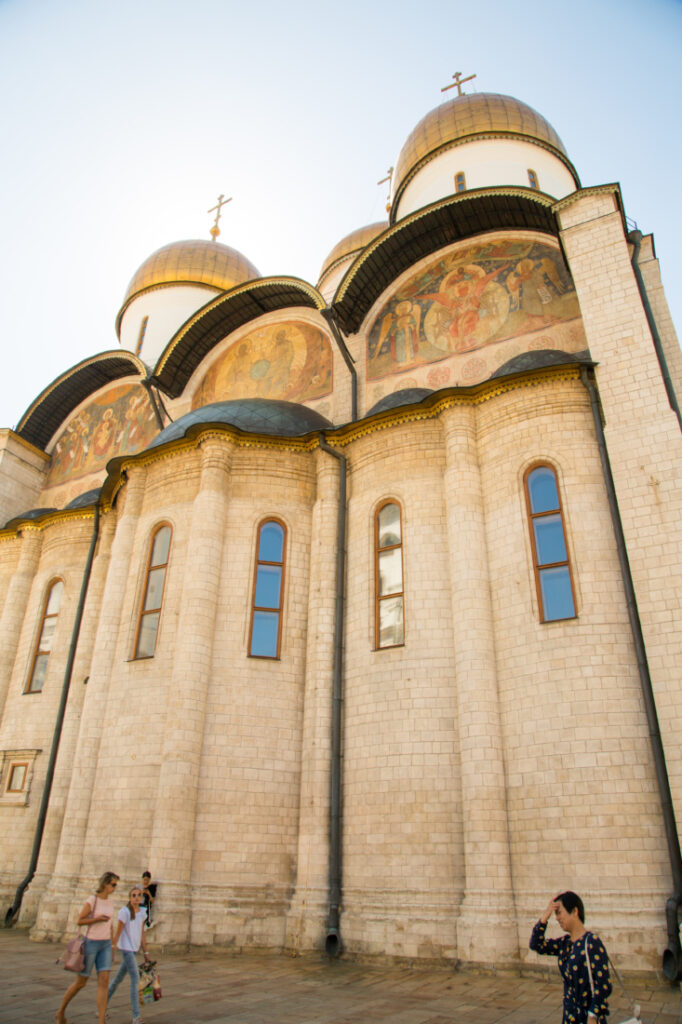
(533, 179)
(280, 609)
(43, 618)
(142, 612)
(378, 598)
(537, 565)
(460, 175)
(9, 760)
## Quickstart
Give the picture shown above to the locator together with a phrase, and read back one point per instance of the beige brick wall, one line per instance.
(643, 438)
(22, 474)
(488, 763)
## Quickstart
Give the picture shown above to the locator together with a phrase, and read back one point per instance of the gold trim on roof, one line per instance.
(49, 519)
(123, 354)
(262, 282)
(350, 244)
(461, 197)
(193, 262)
(341, 437)
(466, 117)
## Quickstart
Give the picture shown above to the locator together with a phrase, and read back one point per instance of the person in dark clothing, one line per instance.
(148, 896)
(583, 962)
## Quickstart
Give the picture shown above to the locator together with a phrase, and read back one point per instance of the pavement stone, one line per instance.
(220, 987)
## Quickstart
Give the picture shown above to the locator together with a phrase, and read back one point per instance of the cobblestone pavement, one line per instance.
(215, 987)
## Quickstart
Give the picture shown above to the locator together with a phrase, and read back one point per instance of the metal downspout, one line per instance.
(330, 316)
(636, 238)
(146, 384)
(333, 944)
(672, 957)
(12, 913)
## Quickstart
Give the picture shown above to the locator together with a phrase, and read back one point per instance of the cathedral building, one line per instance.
(352, 609)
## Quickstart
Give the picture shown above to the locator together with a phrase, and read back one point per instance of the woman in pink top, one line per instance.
(98, 915)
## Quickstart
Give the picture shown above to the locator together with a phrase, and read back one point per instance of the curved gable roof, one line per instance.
(59, 399)
(224, 314)
(426, 231)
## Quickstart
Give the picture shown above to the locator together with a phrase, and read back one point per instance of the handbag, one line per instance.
(74, 955)
(150, 982)
(635, 1019)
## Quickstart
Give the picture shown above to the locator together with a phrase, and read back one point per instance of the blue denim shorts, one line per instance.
(98, 954)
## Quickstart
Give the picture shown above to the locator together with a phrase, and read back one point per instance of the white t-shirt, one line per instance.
(131, 936)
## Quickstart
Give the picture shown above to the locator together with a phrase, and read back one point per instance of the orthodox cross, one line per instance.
(215, 230)
(389, 179)
(458, 81)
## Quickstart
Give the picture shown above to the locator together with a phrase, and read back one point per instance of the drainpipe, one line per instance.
(152, 401)
(672, 957)
(330, 316)
(13, 912)
(636, 238)
(333, 941)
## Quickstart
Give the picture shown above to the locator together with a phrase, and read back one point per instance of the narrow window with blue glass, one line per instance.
(268, 587)
(553, 577)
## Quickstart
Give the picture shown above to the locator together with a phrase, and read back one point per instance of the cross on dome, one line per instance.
(215, 230)
(458, 81)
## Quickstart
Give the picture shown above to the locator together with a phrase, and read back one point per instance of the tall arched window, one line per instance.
(152, 599)
(550, 555)
(532, 179)
(388, 574)
(268, 589)
(48, 623)
(460, 182)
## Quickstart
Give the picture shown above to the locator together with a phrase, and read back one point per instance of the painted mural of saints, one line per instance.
(400, 333)
(467, 310)
(475, 297)
(291, 361)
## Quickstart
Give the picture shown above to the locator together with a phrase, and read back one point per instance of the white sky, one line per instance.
(123, 121)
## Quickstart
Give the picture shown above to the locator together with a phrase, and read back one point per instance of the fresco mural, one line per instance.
(120, 421)
(290, 360)
(473, 298)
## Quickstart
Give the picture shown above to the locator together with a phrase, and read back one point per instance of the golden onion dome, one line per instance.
(464, 118)
(355, 242)
(196, 262)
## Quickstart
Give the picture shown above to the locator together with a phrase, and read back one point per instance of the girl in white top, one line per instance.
(97, 914)
(129, 936)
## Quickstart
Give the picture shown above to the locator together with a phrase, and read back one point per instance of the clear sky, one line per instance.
(123, 121)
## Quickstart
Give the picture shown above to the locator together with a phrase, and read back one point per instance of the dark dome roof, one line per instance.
(33, 513)
(253, 415)
(85, 499)
(409, 396)
(538, 358)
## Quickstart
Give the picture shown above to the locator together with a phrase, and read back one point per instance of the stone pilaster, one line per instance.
(176, 804)
(64, 891)
(306, 920)
(486, 928)
(15, 606)
(643, 438)
(49, 886)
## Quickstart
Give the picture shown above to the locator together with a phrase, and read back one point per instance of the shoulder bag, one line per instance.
(635, 1019)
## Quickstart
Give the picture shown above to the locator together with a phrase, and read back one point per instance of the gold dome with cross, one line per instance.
(465, 117)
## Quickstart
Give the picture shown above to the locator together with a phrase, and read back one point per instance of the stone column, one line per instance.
(486, 927)
(14, 609)
(306, 921)
(71, 846)
(176, 804)
(56, 889)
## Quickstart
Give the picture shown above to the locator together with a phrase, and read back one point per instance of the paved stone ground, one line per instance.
(211, 988)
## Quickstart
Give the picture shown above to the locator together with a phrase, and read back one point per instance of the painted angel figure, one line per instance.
(401, 330)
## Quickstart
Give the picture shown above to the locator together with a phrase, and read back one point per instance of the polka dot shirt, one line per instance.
(579, 1000)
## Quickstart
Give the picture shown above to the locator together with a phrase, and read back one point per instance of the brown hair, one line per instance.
(106, 879)
(130, 905)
